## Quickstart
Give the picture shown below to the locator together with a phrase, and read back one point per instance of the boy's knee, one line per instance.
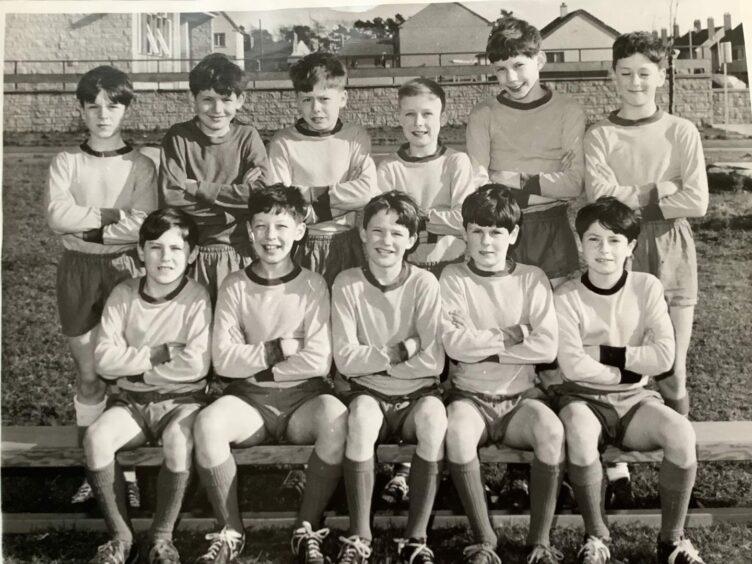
(208, 427)
(98, 443)
(548, 431)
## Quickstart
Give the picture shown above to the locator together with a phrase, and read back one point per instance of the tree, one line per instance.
(380, 28)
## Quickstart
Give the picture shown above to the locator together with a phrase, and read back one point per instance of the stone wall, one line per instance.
(370, 106)
(739, 106)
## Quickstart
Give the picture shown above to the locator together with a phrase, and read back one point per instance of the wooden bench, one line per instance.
(55, 447)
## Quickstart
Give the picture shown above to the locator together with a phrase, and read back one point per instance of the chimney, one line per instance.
(664, 35)
(698, 25)
(676, 31)
(563, 10)
(711, 28)
(655, 33)
(727, 21)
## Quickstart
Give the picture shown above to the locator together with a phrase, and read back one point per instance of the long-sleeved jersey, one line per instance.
(218, 203)
(107, 193)
(253, 313)
(613, 339)
(339, 160)
(439, 184)
(133, 323)
(367, 317)
(491, 302)
(506, 138)
(656, 164)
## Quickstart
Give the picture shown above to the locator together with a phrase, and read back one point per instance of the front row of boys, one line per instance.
(390, 325)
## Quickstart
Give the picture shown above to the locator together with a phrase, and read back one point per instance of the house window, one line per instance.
(554, 56)
(156, 34)
(219, 40)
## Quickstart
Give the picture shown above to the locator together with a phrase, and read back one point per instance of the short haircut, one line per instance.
(510, 37)
(113, 82)
(419, 86)
(217, 72)
(277, 198)
(160, 221)
(640, 42)
(318, 68)
(408, 213)
(491, 206)
(611, 214)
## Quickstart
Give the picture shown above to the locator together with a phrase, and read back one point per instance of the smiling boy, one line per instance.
(209, 165)
(153, 347)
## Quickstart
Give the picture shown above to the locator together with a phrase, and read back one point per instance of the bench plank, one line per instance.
(56, 447)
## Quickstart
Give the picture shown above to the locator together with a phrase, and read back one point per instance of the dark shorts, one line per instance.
(330, 253)
(614, 410)
(666, 249)
(215, 262)
(276, 405)
(84, 281)
(153, 411)
(496, 411)
(547, 241)
(394, 408)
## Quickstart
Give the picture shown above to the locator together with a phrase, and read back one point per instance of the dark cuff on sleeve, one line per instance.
(264, 376)
(322, 207)
(492, 358)
(136, 378)
(547, 366)
(402, 351)
(274, 352)
(629, 377)
(614, 356)
(532, 185)
(207, 191)
(94, 235)
(108, 216)
(652, 212)
(521, 197)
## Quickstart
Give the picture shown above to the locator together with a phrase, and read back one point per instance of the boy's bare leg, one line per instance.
(674, 388)
(534, 426)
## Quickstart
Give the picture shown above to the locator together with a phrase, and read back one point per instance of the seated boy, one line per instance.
(387, 349)
(438, 178)
(209, 165)
(98, 194)
(498, 323)
(153, 347)
(615, 332)
(653, 162)
(272, 348)
(331, 163)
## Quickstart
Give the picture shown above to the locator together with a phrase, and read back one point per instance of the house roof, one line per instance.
(235, 26)
(556, 23)
(698, 37)
(473, 12)
(353, 47)
(736, 35)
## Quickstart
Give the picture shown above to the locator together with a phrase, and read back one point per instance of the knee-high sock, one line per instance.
(545, 480)
(171, 488)
(221, 483)
(109, 488)
(359, 479)
(469, 484)
(424, 483)
(586, 482)
(321, 481)
(675, 486)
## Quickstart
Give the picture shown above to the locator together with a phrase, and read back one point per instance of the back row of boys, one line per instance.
(527, 138)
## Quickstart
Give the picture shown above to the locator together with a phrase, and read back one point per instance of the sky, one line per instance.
(622, 15)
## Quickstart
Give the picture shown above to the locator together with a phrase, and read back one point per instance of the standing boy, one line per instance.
(387, 349)
(530, 138)
(653, 162)
(153, 347)
(273, 350)
(498, 323)
(331, 163)
(615, 332)
(98, 194)
(209, 165)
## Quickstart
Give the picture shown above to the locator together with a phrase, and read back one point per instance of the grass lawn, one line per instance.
(37, 378)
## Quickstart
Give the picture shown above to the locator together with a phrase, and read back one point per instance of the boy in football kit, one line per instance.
(439, 179)
(653, 162)
(208, 167)
(498, 323)
(388, 353)
(98, 194)
(153, 347)
(272, 348)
